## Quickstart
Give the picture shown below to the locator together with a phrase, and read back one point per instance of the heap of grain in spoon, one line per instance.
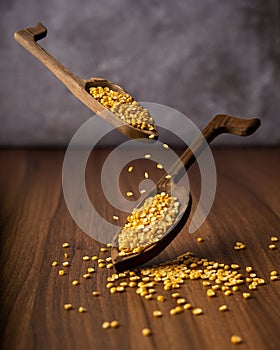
(124, 107)
(147, 224)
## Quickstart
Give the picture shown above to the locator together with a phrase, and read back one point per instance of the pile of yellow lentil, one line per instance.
(147, 224)
(217, 278)
(124, 107)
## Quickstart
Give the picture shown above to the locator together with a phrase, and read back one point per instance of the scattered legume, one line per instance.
(65, 245)
(223, 308)
(172, 274)
(146, 332)
(181, 301)
(68, 306)
(177, 310)
(234, 266)
(113, 290)
(106, 325)
(82, 309)
(160, 298)
(236, 339)
(157, 313)
(114, 324)
(227, 292)
(147, 296)
(210, 293)
(187, 306)
(246, 295)
(239, 246)
(197, 311)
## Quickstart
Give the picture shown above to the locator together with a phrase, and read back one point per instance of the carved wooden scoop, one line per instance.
(28, 38)
(218, 125)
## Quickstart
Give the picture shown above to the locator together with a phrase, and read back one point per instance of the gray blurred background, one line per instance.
(200, 57)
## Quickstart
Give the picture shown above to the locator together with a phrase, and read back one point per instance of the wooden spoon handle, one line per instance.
(28, 39)
(220, 124)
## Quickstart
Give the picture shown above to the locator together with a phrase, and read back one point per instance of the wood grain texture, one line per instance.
(35, 222)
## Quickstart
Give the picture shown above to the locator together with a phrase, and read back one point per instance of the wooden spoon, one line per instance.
(218, 125)
(28, 38)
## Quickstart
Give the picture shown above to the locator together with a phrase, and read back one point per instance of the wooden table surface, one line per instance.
(35, 222)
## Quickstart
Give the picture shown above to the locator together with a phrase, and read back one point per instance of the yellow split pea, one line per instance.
(146, 332)
(106, 325)
(236, 339)
(157, 313)
(124, 107)
(197, 311)
(114, 324)
(68, 306)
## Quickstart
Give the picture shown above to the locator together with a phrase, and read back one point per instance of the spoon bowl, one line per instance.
(123, 263)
